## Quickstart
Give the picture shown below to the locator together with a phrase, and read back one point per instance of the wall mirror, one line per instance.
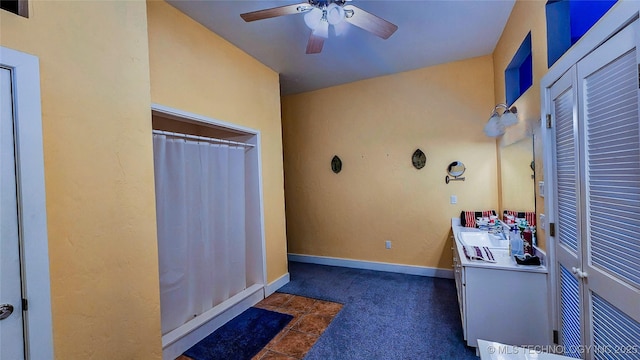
(517, 176)
(455, 171)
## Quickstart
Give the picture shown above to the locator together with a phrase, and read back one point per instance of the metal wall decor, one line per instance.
(336, 164)
(533, 168)
(419, 159)
(455, 170)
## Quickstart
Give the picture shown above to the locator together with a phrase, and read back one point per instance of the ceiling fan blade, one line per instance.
(314, 46)
(370, 22)
(276, 11)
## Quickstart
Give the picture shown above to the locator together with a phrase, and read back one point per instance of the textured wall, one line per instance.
(374, 126)
(98, 174)
(195, 70)
(526, 16)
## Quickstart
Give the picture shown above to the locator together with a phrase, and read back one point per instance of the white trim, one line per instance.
(181, 115)
(276, 284)
(25, 70)
(373, 265)
(181, 339)
(202, 138)
(258, 140)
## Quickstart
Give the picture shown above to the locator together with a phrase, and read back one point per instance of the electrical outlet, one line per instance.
(454, 199)
(387, 244)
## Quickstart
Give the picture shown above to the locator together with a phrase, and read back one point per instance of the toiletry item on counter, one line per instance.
(527, 259)
(511, 220)
(522, 223)
(515, 243)
(483, 223)
(527, 238)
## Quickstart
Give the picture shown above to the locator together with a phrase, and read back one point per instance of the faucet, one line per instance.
(504, 230)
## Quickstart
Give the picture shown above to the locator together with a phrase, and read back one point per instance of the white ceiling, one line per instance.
(429, 32)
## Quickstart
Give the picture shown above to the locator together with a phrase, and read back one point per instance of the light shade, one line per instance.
(509, 117)
(341, 28)
(312, 18)
(335, 14)
(494, 126)
(322, 29)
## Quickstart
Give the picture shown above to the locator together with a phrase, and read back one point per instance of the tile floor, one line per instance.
(310, 318)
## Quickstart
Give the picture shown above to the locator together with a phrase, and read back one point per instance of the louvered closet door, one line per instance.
(568, 248)
(608, 94)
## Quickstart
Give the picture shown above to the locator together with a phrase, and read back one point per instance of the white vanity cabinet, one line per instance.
(502, 301)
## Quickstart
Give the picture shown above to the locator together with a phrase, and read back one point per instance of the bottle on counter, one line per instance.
(516, 244)
(527, 237)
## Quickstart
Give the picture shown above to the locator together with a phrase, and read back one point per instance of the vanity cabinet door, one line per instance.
(506, 306)
(458, 272)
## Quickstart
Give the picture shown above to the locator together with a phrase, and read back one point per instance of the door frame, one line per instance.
(181, 339)
(25, 71)
(623, 13)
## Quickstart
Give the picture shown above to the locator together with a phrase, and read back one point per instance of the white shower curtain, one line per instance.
(200, 206)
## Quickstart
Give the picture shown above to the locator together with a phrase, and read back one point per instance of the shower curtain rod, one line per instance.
(202, 138)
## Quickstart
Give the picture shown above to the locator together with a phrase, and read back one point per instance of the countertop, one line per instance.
(503, 259)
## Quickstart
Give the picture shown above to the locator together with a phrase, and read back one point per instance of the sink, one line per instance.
(481, 238)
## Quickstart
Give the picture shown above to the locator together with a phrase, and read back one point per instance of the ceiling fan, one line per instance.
(319, 14)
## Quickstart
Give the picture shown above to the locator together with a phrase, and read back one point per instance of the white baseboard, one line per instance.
(373, 265)
(181, 339)
(276, 284)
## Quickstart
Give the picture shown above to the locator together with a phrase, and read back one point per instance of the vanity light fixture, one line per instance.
(499, 122)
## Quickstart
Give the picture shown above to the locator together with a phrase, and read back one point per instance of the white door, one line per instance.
(608, 94)
(11, 324)
(596, 146)
(567, 204)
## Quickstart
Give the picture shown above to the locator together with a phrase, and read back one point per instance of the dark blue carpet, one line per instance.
(242, 337)
(385, 315)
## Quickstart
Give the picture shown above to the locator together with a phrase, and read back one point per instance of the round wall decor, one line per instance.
(419, 159)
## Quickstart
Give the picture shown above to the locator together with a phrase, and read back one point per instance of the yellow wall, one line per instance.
(195, 70)
(526, 16)
(374, 126)
(98, 174)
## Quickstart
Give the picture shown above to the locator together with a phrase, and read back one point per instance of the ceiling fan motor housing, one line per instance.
(324, 3)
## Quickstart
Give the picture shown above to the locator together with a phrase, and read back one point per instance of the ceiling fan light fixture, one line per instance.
(319, 14)
(335, 14)
(341, 28)
(312, 18)
(322, 29)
